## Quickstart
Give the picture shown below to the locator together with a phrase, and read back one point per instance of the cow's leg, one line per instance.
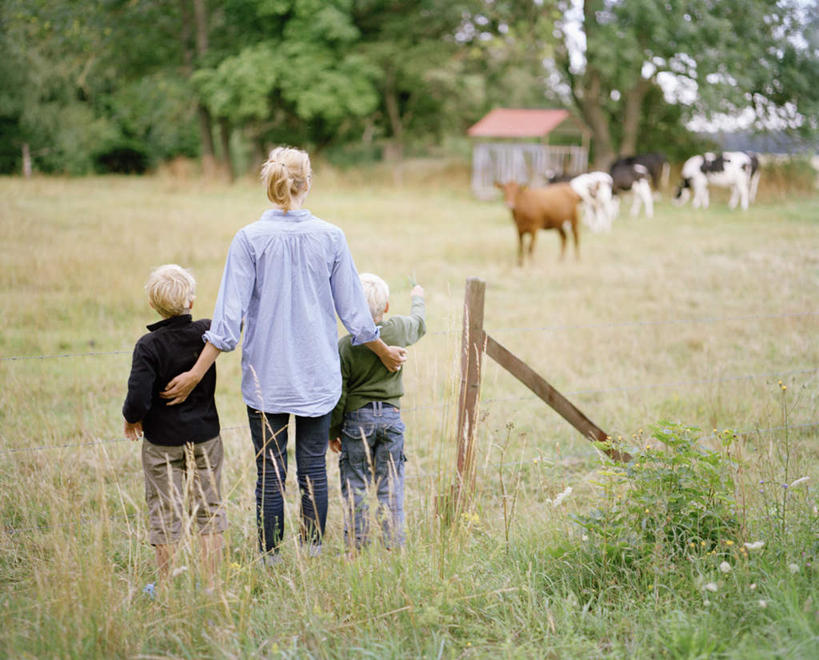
(642, 190)
(744, 193)
(576, 236)
(520, 247)
(532, 237)
(735, 195)
(635, 199)
(562, 233)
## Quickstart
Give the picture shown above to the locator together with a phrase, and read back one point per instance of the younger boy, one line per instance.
(181, 442)
(366, 424)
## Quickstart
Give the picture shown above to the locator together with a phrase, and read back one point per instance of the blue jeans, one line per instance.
(372, 456)
(269, 433)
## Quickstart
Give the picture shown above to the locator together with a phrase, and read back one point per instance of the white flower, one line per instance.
(710, 586)
(706, 602)
(763, 603)
(798, 481)
(562, 496)
(793, 568)
(756, 545)
(725, 567)
(179, 570)
(753, 586)
(584, 538)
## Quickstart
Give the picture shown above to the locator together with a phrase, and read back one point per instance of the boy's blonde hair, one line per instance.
(171, 290)
(286, 175)
(376, 292)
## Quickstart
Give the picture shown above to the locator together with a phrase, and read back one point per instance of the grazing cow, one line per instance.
(656, 164)
(635, 178)
(595, 189)
(736, 170)
(542, 208)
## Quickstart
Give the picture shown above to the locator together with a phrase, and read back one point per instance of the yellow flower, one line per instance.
(729, 542)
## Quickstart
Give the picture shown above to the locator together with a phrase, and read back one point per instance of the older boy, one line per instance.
(181, 443)
(366, 425)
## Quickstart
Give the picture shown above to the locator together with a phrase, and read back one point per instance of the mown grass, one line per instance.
(694, 316)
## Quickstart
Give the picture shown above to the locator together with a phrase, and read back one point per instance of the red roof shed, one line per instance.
(512, 123)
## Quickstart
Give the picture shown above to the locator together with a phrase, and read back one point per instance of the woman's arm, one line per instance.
(182, 385)
(392, 357)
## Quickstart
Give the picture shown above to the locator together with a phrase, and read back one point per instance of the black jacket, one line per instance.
(171, 347)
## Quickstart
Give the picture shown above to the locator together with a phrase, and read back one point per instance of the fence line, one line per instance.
(773, 374)
(548, 328)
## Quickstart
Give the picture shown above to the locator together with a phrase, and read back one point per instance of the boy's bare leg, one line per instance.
(164, 556)
(211, 549)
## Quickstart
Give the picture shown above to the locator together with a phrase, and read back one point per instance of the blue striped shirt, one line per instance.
(286, 277)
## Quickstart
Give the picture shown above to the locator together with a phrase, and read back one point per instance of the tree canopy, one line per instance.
(125, 84)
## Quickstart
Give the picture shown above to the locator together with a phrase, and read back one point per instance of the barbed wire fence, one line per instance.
(554, 328)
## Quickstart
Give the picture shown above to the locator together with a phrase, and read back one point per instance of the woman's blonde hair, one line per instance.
(286, 175)
(171, 290)
(377, 293)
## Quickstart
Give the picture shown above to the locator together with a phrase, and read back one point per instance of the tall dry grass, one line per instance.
(694, 316)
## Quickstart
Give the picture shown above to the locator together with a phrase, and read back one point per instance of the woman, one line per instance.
(286, 277)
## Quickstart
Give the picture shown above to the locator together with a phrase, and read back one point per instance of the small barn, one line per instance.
(526, 146)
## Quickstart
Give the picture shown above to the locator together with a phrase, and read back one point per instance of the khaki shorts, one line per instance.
(183, 485)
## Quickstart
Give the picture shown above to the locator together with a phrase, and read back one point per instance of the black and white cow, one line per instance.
(635, 178)
(656, 164)
(736, 170)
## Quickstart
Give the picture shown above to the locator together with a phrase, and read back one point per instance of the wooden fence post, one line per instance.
(472, 348)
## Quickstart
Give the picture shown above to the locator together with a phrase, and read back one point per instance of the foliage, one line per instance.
(669, 501)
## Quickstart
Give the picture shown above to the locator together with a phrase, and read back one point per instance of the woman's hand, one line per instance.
(182, 385)
(335, 445)
(180, 388)
(391, 356)
(394, 357)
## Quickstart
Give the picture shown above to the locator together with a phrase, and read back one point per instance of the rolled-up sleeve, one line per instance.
(235, 291)
(348, 296)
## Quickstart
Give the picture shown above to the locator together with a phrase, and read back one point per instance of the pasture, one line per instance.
(705, 318)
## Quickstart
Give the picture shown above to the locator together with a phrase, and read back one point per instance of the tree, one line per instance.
(735, 53)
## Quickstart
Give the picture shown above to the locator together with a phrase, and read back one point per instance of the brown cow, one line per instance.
(542, 208)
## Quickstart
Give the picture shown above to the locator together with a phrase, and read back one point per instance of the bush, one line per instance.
(673, 499)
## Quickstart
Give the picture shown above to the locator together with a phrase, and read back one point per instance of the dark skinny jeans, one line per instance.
(269, 434)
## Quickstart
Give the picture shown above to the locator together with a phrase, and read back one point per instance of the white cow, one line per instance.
(595, 189)
(736, 170)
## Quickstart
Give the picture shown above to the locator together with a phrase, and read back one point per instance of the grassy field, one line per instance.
(703, 318)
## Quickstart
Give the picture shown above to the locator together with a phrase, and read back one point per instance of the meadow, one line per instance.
(695, 318)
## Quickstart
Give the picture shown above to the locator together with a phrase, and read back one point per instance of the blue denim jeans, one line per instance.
(269, 433)
(372, 456)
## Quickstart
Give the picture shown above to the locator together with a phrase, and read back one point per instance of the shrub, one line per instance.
(673, 499)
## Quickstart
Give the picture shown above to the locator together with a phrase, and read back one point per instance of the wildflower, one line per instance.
(234, 566)
(692, 544)
(756, 545)
(801, 480)
(752, 587)
(562, 496)
(706, 602)
(702, 543)
(584, 538)
(710, 586)
(793, 568)
(536, 460)
(729, 542)
(150, 590)
(178, 571)
(725, 567)
(763, 604)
